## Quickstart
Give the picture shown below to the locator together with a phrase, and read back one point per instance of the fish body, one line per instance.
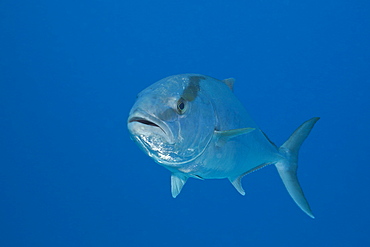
(194, 126)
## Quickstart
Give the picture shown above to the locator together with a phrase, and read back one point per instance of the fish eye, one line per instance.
(181, 106)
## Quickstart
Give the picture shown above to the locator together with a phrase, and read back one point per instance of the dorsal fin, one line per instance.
(230, 83)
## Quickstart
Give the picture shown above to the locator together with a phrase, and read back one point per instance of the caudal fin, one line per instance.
(287, 167)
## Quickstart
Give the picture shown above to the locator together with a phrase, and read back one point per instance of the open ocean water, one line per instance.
(70, 72)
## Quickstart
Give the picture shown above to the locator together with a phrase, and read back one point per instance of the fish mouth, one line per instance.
(145, 122)
(144, 125)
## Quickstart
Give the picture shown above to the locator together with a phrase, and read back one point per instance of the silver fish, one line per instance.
(194, 126)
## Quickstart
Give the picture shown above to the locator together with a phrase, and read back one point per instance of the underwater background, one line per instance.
(70, 72)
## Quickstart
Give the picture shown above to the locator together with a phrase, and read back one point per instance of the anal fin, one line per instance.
(237, 182)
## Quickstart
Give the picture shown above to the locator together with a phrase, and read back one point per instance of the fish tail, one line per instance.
(287, 167)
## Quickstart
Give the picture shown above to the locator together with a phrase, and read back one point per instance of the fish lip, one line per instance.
(149, 120)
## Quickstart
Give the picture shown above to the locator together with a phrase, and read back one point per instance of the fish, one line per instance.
(195, 126)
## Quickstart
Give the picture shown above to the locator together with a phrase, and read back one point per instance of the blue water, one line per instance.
(70, 72)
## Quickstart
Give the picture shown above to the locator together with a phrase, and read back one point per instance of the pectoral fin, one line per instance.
(177, 182)
(223, 136)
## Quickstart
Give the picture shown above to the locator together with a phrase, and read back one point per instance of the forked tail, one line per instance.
(287, 167)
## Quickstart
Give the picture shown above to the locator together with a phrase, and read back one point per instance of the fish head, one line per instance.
(172, 120)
